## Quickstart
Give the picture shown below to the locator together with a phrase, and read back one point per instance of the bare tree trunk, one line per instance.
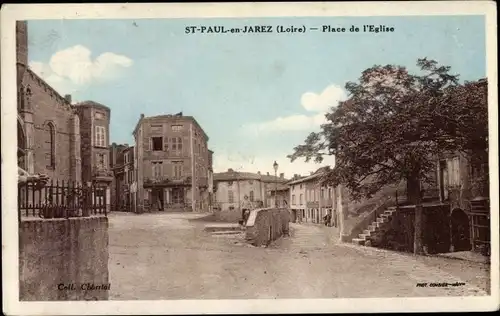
(415, 196)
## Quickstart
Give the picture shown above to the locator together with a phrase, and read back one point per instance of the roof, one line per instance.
(92, 104)
(281, 187)
(318, 173)
(169, 117)
(235, 175)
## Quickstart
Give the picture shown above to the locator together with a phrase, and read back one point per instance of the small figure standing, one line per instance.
(246, 207)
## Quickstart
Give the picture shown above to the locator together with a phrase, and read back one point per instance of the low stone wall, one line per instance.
(229, 216)
(63, 259)
(266, 225)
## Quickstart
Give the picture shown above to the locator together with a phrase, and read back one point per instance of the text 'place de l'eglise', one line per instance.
(74, 182)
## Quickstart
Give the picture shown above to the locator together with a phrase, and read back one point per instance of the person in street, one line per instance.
(246, 207)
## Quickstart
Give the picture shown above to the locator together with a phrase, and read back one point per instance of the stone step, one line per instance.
(224, 228)
(364, 236)
(390, 212)
(358, 241)
(382, 220)
(369, 232)
(227, 232)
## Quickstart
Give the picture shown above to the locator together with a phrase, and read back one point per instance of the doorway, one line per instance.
(460, 231)
(177, 196)
(158, 198)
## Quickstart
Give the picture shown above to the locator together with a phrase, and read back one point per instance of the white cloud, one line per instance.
(298, 122)
(322, 102)
(312, 102)
(73, 68)
(264, 164)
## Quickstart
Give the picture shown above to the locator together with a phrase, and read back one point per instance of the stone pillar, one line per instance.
(108, 199)
(27, 115)
(75, 149)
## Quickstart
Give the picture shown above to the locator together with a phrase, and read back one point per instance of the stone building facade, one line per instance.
(173, 164)
(65, 141)
(231, 187)
(48, 125)
(94, 131)
(122, 166)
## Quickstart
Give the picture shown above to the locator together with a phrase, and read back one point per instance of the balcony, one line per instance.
(102, 174)
(166, 182)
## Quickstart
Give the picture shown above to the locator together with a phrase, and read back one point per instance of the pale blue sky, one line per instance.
(238, 85)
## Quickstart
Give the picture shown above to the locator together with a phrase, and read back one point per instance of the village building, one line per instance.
(47, 124)
(173, 164)
(231, 187)
(65, 142)
(311, 200)
(278, 196)
(122, 165)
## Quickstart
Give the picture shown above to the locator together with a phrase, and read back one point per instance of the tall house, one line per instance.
(173, 164)
(122, 165)
(94, 132)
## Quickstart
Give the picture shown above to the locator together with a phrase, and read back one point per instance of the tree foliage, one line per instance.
(394, 124)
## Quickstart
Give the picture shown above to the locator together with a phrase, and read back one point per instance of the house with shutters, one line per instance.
(173, 165)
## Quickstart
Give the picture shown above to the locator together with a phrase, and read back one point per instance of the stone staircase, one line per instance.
(376, 229)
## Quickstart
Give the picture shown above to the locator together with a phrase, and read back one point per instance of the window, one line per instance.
(230, 196)
(178, 169)
(229, 183)
(322, 193)
(157, 169)
(293, 199)
(99, 115)
(100, 136)
(454, 172)
(130, 176)
(250, 182)
(101, 161)
(199, 148)
(300, 199)
(176, 128)
(126, 158)
(177, 195)
(157, 143)
(251, 196)
(301, 186)
(51, 146)
(176, 143)
(329, 193)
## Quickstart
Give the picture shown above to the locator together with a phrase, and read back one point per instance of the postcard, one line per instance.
(249, 158)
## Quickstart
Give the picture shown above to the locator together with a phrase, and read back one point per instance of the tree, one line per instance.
(391, 128)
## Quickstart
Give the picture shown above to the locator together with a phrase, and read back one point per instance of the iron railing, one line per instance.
(60, 200)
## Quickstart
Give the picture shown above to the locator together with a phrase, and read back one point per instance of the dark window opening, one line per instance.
(157, 143)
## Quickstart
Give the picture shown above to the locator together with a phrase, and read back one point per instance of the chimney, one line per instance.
(68, 98)
(268, 173)
(142, 115)
(282, 176)
(230, 170)
(258, 172)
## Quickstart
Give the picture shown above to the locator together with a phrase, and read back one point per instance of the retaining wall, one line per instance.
(63, 259)
(266, 225)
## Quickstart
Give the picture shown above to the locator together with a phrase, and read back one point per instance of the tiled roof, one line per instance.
(235, 175)
(314, 176)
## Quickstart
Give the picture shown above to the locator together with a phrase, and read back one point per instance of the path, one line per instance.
(165, 256)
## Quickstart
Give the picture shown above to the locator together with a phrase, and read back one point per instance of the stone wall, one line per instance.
(59, 256)
(266, 225)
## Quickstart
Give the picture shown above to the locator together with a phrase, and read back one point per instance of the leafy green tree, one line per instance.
(391, 129)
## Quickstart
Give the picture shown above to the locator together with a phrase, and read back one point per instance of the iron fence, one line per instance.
(61, 200)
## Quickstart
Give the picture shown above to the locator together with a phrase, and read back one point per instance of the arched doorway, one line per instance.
(460, 230)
